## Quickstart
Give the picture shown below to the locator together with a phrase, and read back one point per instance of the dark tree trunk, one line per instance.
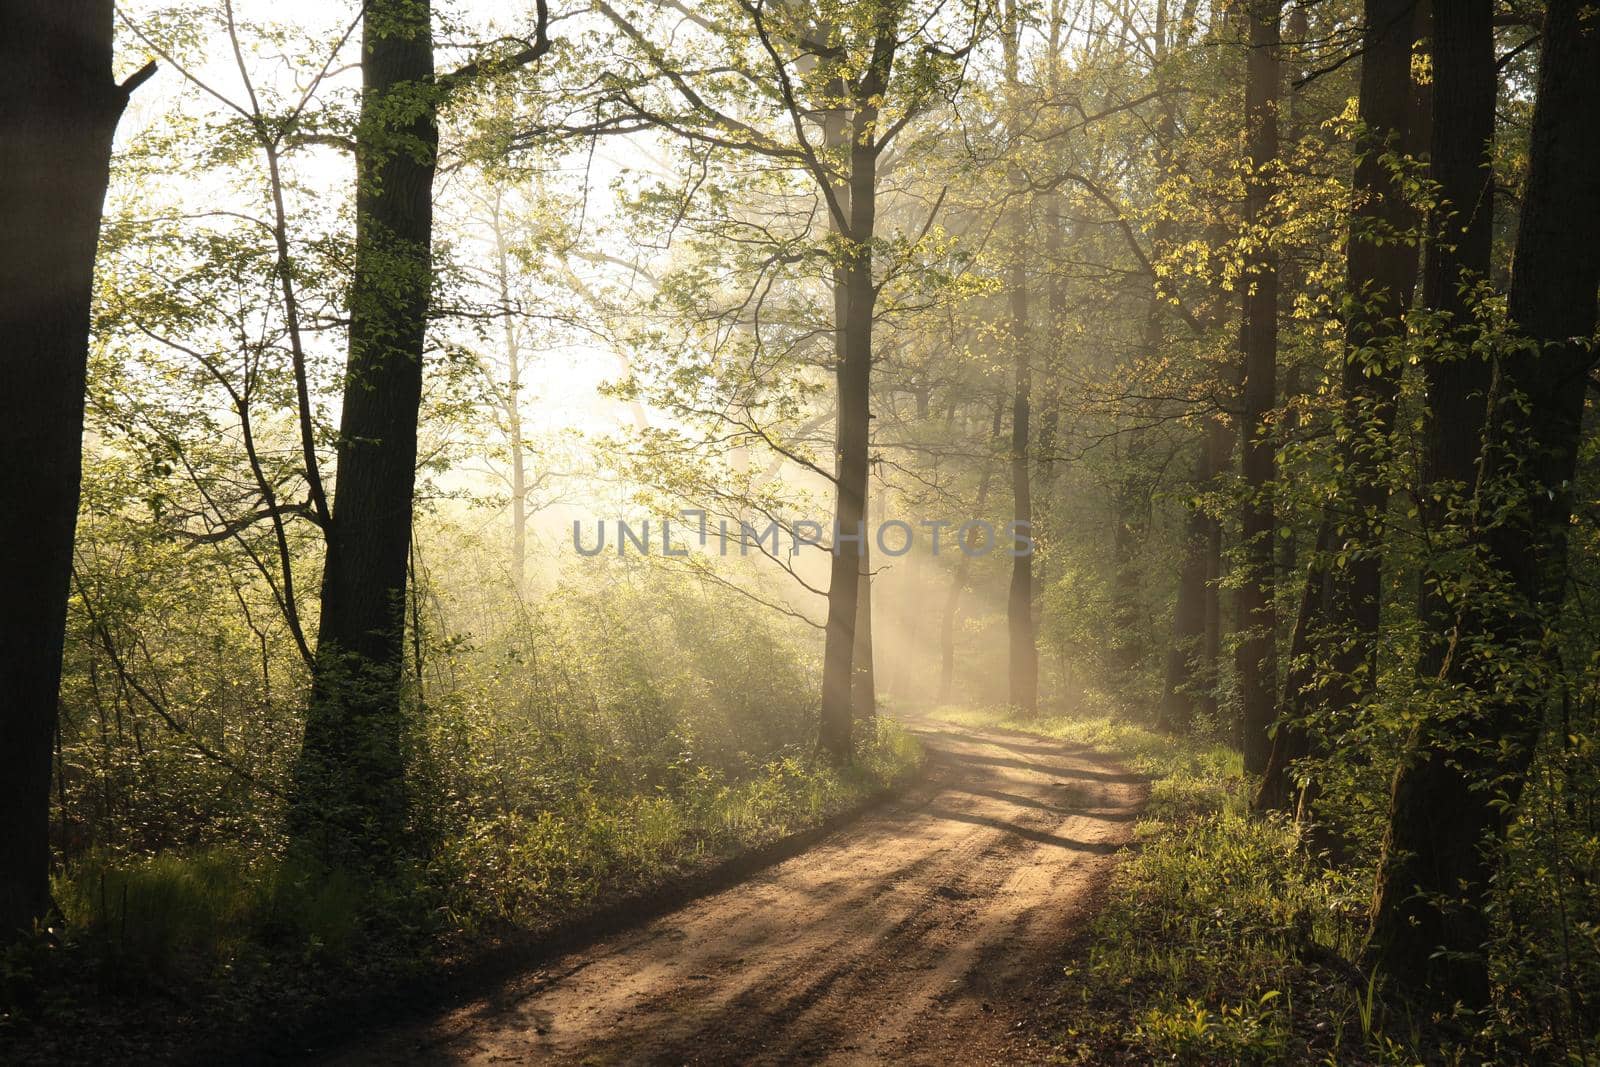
(1256, 659)
(1458, 786)
(58, 112)
(855, 299)
(1043, 484)
(1292, 740)
(1457, 258)
(1381, 270)
(1339, 628)
(1219, 442)
(852, 375)
(350, 799)
(1022, 650)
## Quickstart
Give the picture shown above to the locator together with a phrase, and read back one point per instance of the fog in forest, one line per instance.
(731, 531)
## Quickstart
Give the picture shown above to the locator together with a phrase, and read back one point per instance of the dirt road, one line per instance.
(908, 937)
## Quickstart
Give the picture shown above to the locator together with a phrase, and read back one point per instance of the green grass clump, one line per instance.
(186, 914)
(508, 867)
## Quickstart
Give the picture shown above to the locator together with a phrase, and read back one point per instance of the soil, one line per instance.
(922, 933)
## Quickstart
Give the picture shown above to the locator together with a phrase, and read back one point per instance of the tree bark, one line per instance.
(1024, 652)
(1338, 628)
(350, 797)
(1022, 649)
(1256, 658)
(1457, 258)
(1459, 783)
(855, 298)
(1219, 442)
(58, 113)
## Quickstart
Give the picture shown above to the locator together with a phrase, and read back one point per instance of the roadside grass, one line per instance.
(1221, 941)
(534, 872)
(225, 933)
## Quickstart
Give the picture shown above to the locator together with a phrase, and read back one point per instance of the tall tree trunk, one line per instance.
(1457, 258)
(852, 380)
(1050, 405)
(350, 797)
(855, 298)
(1339, 630)
(1023, 651)
(58, 112)
(1459, 783)
(1256, 658)
(1219, 442)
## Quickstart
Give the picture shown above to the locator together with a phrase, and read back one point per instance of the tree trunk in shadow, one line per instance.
(863, 688)
(1256, 659)
(1338, 628)
(1461, 778)
(1186, 666)
(58, 113)
(350, 802)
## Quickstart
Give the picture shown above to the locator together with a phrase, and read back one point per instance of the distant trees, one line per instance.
(59, 109)
(824, 95)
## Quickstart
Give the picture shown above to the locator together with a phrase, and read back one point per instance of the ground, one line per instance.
(921, 933)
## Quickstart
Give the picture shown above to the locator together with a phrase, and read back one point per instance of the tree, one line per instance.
(1257, 619)
(1338, 622)
(835, 87)
(1465, 766)
(350, 798)
(1458, 251)
(58, 113)
(350, 791)
(1022, 649)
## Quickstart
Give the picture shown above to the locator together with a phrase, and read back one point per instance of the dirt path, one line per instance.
(910, 936)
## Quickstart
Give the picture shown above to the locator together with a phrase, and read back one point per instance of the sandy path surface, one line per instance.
(907, 937)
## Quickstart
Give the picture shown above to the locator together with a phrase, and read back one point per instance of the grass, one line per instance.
(223, 934)
(535, 871)
(169, 915)
(1220, 940)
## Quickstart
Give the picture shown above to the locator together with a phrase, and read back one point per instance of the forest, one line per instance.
(748, 531)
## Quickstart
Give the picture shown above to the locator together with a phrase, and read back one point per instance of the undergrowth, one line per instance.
(1221, 941)
(223, 932)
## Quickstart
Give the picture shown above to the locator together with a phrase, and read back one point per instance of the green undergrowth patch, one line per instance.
(535, 870)
(224, 936)
(1220, 940)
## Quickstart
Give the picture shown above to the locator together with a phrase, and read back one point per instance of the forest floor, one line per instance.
(922, 933)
